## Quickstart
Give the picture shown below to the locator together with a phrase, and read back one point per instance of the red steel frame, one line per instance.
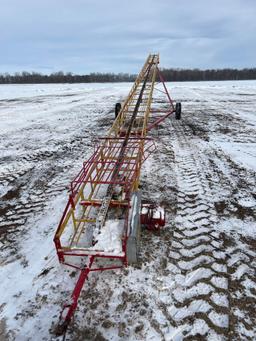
(98, 170)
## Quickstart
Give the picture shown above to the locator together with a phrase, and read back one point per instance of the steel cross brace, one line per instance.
(169, 112)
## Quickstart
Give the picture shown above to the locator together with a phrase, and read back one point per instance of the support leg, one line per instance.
(65, 320)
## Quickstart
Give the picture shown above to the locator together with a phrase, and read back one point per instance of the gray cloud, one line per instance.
(111, 35)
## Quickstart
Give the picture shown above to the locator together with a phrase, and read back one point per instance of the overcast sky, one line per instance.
(84, 36)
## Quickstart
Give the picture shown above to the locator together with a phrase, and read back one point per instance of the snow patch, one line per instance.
(110, 237)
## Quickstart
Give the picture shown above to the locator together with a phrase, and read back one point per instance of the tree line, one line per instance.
(173, 75)
(180, 75)
(61, 77)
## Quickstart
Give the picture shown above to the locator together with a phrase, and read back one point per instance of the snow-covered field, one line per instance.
(196, 280)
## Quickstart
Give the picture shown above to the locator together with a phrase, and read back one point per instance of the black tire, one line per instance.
(178, 111)
(117, 109)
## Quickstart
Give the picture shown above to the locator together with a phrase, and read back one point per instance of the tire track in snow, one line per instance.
(229, 183)
(241, 265)
(197, 255)
(32, 178)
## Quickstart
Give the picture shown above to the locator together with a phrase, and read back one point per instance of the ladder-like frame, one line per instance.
(105, 185)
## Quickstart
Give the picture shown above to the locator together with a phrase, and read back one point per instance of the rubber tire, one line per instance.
(178, 111)
(117, 109)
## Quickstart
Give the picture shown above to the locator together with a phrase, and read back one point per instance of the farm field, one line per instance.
(196, 280)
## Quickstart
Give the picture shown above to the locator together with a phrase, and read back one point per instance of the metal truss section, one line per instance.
(101, 195)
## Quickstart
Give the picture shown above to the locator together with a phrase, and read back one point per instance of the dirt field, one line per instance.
(196, 280)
